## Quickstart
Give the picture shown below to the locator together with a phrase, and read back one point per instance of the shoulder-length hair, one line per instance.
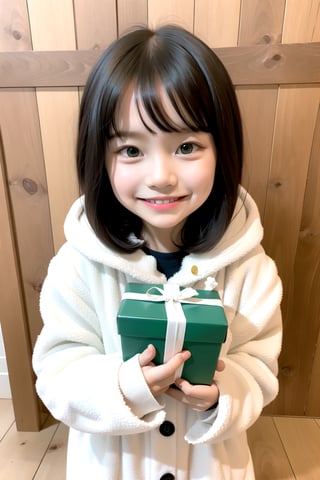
(202, 93)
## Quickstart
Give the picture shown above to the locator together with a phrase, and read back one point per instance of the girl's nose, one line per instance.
(162, 173)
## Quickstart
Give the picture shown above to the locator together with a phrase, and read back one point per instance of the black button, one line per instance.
(166, 429)
(167, 476)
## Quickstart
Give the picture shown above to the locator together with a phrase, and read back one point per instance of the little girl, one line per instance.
(159, 161)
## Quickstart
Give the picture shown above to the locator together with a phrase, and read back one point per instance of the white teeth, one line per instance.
(160, 202)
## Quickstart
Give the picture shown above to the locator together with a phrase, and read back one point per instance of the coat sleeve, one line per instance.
(252, 296)
(77, 379)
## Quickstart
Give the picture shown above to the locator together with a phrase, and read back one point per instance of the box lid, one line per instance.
(205, 323)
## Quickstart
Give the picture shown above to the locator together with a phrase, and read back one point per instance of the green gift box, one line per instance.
(143, 319)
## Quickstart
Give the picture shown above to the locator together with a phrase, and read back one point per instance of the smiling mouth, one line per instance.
(163, 202)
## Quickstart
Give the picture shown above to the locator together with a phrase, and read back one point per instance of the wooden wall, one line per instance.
(272, 51)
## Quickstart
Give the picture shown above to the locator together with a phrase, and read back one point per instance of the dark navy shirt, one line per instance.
(168, 263)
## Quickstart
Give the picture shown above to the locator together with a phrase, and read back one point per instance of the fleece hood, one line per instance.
(243, 234)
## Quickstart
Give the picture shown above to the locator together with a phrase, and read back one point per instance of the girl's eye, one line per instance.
(186, 148)
(131, 152)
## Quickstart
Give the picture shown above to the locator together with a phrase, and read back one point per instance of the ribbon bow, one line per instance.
(171, 293)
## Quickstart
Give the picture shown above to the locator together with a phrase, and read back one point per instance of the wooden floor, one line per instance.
(283, 448)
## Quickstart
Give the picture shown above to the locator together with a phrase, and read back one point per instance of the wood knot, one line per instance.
(16, 35)
(30, 186)
(272, 62)
(54, 447)
(277, 184)
(287, 371)
(276, 57)
(266, 39)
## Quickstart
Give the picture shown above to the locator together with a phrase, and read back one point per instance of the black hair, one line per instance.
(202, 93)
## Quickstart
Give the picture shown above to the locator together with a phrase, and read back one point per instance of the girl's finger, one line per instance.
(147, 355)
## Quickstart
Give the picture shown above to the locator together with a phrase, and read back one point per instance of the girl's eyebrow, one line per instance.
(122, 134)
(126, 133)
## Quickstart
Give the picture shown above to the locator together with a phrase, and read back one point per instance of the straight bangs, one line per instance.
(193, 112)
(158, 68)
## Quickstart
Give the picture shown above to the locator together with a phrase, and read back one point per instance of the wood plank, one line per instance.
(28, 195)
(296, 117)
(258, 109)
(95, 27)
(6, 416)
(131, 13)
(269, 457)
(313, 400)
(14, 31)
(53, 27)
(15, 36)
(13, 317)
(301, 437)
(55, 458)
(58, 112)
(22, 452)
(307, 274)
(217, 23)
(52, 24)
(248, 65)
(302, 21)
(179, 12)
(261, 22)
(46, 69)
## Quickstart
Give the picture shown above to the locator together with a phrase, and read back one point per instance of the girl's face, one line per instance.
(162, 177)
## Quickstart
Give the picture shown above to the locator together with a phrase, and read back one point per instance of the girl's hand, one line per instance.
(197, 397)
(159, 378)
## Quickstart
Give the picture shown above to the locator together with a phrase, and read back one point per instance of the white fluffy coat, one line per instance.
(81, 377)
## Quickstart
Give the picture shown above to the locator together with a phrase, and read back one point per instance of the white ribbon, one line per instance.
(176, 320)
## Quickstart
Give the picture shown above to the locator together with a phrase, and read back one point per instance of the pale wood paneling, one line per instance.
(52, 24)
(248, 65)
(14, 321)
(307, 281)
(28, 194)
(22, 275)
(302, 21)
(14, 31)
(295, 122)
(217, 23)
(261, 21)
(281, 168)
(132, 13)
(58, 111)
(96, 25)
(294, 126)
(52, 28)
(179, 12)
(258, 138)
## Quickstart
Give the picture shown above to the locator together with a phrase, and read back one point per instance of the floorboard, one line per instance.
(268, 452)
(301, 437)
(55, 457)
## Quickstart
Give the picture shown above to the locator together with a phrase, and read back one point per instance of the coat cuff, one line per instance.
(135, 389)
